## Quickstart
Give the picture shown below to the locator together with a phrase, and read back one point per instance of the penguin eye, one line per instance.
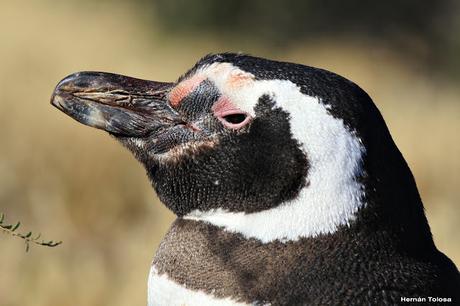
(234, 120)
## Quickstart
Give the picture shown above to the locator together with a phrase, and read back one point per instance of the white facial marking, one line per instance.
(164, 291)
(332, 195)
(234, 83)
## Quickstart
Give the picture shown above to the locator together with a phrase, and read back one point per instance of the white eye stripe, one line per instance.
(333, 195)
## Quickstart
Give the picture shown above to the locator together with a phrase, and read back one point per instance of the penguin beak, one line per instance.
(120, 105)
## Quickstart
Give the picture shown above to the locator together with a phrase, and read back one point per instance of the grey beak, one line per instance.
(120, 105)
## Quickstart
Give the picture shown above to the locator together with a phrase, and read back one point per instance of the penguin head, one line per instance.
(239, 141)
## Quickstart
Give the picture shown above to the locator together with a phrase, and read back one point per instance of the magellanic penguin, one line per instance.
(286, 183)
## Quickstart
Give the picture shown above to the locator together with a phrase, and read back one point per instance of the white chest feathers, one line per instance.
(163, 291)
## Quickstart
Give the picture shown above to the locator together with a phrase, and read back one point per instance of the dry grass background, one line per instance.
(76, 184)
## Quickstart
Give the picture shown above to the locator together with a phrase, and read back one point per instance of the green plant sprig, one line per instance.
(28, 237)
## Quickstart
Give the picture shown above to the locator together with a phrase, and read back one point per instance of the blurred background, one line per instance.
(76, 184)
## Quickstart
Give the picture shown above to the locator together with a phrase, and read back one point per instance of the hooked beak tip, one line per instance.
(63, 90)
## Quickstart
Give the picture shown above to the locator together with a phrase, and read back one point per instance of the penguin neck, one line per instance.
(221, 257)
(384, 201)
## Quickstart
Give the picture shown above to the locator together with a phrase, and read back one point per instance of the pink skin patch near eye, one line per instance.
(183, 89)
(225, 108)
